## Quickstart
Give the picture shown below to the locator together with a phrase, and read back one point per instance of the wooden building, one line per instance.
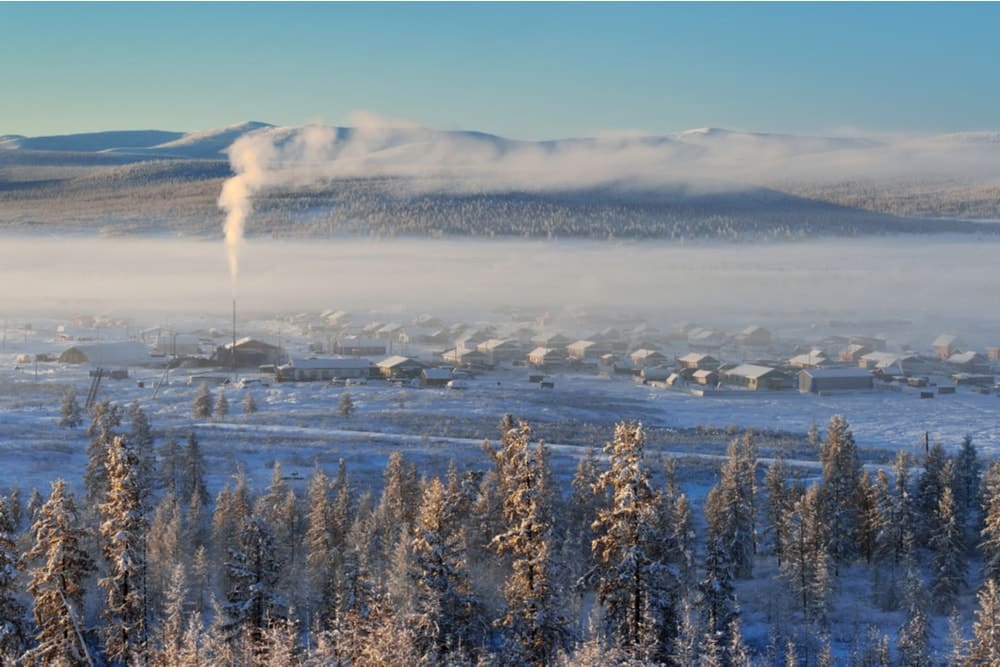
(824, 380)
(321, 370)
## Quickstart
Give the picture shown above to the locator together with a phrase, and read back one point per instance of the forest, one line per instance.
(499, 564)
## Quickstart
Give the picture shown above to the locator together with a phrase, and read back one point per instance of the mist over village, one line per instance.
(500, 334)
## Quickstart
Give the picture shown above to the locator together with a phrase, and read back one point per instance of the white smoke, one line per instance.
(707, 160)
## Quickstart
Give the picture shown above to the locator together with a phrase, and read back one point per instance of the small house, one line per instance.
(321, 370)
(436, 377)
(119, 353)
(500, 350)
(854, 352)
(655, 374)
(754, 335)
(756, 377)
(945, 345)
(587, 351)
(810, 359)
(249, 353)
(357, 346)
(706, 377)
(823, 380)
(397, 367)
(466, 358)
(547, 357)
(648, 357)
(699, 361)
(553, 339)
(969, 362)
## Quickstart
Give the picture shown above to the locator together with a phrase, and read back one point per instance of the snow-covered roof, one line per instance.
(335, 362)
(836, 372)
(396, 360)
(495, 343)
(963, 357)
(703, 373)
(750, 371)
(945, 340)
(645, 353)
(693, 357)
(437, 373)
(116, 352)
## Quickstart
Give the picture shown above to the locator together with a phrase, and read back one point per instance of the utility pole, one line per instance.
(233, 353)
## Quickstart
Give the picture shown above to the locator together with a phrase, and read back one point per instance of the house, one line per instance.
(587, 351)
(119, 353)
(754, 335)
(823, 380)
(398, 366)
(356, 346)
(756, 377)
(854, 352)
(647, 357)
(969, 362)
(655, 374)
(249, 353)
(547, 357)
(500, 350)
(699, 361)
(973, 379)
(945, 345)
(875, 343)
(391, 331)
(705, 340)
(313, 370)
(551, 340)
(706, 377)
(436, 377)
(466, 358)
(810, 359)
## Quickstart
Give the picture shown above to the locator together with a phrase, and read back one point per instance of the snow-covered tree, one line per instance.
(320, 555)
(193, 473)
(141, 441)
(869, 518)
(252, 602)
(990, 534)
(445, 609)
(165, 547)
(56, 583)
(70, 414)
(249, 404)
(107, 417)
(778, 505)
(532, 592)
(928, 493)
(806, 558)
(171, 466)
(730, 510)
(172, 628)
(583, 504)
(965, 485)
(914, 636)
(985, 647)
(221, 405)
(637, 588)
(839, 490)
(123, 533)
(202, 408)
(346, 404)
(947, 545)
(12, 613)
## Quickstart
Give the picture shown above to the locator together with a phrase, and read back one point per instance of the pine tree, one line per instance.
(629, 548)
(202, 408)
(193, 473)
(141, 441)
(171, 466)
(914, 636)
(965, 485)
(13, 632)
(990, 534)
(948, 548)
(532, 592)
(320, 555)
(806, 558)
(985, 647)
(123, 530)
(70, 414)
(253, 572)
(445, 608)
(346, 404)
(56, 584)
(221, 405)
(928, 493)
(107, 417)
(249, 404)
(729, 507)
(839, 490)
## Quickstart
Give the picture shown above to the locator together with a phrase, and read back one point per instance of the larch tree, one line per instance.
(221, 405)
(806, 562)
(141, 441)
(778, 504)
(171, 466)
(928, 493)
(13, 632)
(107, 417)
(637, 588)
(914, 637)
(70, 414)
(839, 490)
(730, 507)
(123, 533)
(56, 583)
(320, 554)
(985, 646)
(249, 404)
(193, 473)
(532, 591)
(346, 404)
(965, 485)
(989, 543)
(202, 408)
(165, 547)
(445, 610)
(252, 602)
(947, 544)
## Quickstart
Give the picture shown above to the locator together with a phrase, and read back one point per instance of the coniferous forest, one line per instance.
(134, 563)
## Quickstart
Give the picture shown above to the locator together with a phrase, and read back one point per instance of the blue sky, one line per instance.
(521, 70)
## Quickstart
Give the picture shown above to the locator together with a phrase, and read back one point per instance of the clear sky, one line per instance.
(522, 70)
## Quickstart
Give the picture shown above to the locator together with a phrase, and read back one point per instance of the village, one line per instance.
(341, 348)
